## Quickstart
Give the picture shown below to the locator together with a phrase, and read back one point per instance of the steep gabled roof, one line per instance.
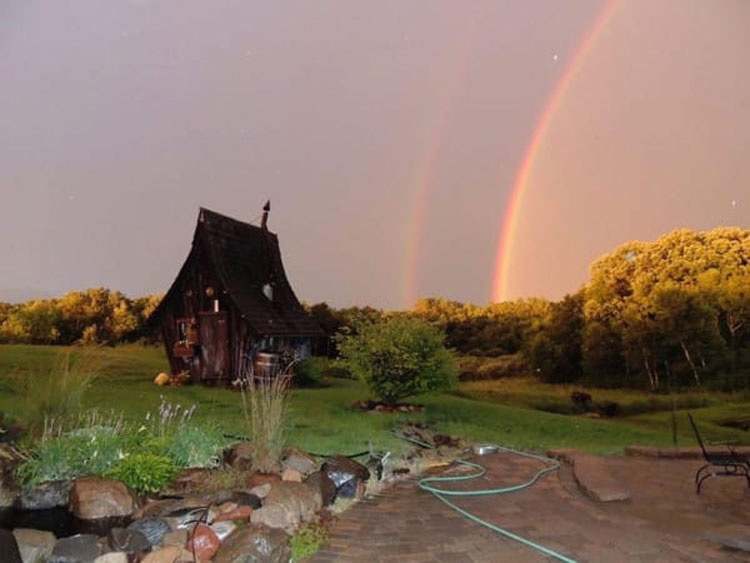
(246, 258)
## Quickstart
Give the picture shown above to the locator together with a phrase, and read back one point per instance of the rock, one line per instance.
(254, 544)
(9, 547)
(248, 499)
(178, 538)
(300, 461)
(261, 491)
(239, 456)
(287, 505)
(257, 479)
(223, 529)
(347, 475)
(228, 506)
(82, 548)
(291, 475)
(130, 541)
(241, 513)
(186, 517)
(159, 508)
(163, 555)
(153, 529)
(113, 557)
(95, 497)
(203, 542)
(35, 545)
(189, 480)
(47, 495)
(319, 481)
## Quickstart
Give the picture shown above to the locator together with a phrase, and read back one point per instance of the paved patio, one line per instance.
(664, 520)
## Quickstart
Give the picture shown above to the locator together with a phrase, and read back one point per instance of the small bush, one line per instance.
(87, 451)
(196, 446)
(505, 366)
(310, 372)
(145, 473)
(398, 357)
(307, 541)
(468, 367)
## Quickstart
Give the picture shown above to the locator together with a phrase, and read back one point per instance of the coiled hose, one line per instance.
(426, 484)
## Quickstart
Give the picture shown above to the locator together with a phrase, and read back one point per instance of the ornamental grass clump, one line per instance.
(265, 404)
(54, 392)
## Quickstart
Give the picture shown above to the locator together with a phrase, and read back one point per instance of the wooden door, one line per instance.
(214, 347)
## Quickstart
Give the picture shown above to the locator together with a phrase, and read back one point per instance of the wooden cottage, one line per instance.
(231, 300)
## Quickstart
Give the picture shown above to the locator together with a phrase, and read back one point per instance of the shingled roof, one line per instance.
(246, 258)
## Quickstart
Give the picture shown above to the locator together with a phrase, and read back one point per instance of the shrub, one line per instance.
(310, 372)
(398, 357)
(196, 446)
(468, 367)
(145, 473)
(86, 451)
(505, 366)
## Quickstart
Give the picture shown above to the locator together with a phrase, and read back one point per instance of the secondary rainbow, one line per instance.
(513, 209)
(427, 169)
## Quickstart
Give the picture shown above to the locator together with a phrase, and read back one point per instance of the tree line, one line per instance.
(93, 316)
(672, 312)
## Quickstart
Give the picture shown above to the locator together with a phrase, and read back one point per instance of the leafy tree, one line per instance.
(398, 357)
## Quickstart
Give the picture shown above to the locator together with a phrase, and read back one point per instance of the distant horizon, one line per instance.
(39, 294)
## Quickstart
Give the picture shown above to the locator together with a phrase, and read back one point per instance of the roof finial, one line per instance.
(264, 221)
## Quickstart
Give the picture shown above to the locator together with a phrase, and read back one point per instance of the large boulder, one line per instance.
(82, 548)
(254, 544)
(349, 476)
(95, 497)
(9, 547)
(287, 505)
(35, 545)
(47, 495)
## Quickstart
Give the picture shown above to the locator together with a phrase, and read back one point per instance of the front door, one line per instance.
(214, 347)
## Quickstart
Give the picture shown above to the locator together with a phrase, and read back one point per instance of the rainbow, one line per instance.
(513, 208)
(426, 171)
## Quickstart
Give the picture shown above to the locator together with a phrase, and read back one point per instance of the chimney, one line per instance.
(264, 221)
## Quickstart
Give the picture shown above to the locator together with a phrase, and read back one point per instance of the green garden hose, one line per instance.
(425, 484)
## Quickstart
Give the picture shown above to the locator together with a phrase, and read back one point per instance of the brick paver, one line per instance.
(663, 521)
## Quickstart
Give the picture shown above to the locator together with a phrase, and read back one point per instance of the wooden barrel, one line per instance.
(266, 365)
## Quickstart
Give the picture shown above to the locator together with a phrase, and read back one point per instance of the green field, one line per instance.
(323, 420)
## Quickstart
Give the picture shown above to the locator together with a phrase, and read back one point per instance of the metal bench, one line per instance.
(720, 464)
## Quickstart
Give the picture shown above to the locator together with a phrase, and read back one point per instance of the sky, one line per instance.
(389, 137)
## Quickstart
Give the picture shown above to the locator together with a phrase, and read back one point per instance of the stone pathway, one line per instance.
(663, 521)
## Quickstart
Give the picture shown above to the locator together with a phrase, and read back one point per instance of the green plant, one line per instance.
(51, 392)
(307, 540)
(266, 414)
(196, 446)
(399, 357)
(310, 372)
(85, 451)
(145, 473)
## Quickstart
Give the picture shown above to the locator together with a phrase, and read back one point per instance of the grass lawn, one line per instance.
(323, 421)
